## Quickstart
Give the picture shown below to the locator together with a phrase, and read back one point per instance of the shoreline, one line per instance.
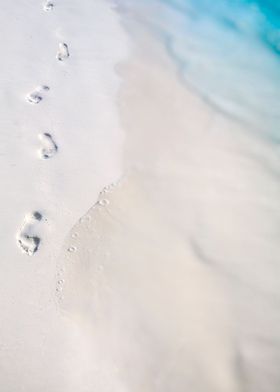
(168, 243)
(163, 283)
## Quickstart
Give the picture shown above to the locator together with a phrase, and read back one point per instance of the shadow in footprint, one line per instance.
(36, 96)
(48, 6)
(49, 147)
(63, 52)
(28, 242)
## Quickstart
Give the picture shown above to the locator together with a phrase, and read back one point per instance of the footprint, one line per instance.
(49, 148)
(48, 6)
(28, 242)
(36, 96)
(63, 52)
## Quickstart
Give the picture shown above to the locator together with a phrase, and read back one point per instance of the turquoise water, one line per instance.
(227, 50)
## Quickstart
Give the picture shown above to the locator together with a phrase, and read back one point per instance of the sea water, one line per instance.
(227, 50)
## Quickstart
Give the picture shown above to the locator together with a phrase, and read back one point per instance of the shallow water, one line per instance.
(227, 50)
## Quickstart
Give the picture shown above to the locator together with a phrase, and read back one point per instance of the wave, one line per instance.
(229, 51)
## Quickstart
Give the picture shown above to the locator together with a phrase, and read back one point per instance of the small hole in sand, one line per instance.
(104, 202)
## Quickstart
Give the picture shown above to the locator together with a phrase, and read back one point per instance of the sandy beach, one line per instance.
(164, 268)
(60, 144)
(139, 220)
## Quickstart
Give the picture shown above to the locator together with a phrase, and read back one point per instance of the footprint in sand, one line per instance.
(27, 241)
(63, 52)
(49, 147)
(48, 6)
(36, 96)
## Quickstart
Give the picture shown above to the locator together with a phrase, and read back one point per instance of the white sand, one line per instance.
(170, 282)
(79, 112)
(173, 277)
